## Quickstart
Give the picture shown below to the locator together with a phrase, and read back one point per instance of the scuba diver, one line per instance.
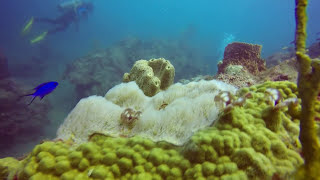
(72, 11)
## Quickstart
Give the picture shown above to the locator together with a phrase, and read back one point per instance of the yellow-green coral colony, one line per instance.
(241, 145)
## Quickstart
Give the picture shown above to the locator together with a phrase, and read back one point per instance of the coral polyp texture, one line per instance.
(255, 139)
(244, 54)
(172, 115)
(151, 76)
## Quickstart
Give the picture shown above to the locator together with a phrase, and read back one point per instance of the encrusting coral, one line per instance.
(151, 76)
(238, 146)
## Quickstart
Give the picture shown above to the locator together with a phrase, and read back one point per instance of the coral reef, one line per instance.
(244, 54)
(172, 115)
(238, 76)
(101, 70)
(237, 146)
(151, 76)
(19, 122)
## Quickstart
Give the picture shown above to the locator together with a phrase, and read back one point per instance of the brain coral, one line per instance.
(238, 146)
(151, 76)
(172, 115)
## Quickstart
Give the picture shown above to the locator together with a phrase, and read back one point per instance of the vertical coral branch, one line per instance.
(309, 85)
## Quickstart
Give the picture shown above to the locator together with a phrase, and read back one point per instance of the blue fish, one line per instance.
(42, 90)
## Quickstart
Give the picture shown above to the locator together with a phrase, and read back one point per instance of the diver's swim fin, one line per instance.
(26, 29)
(39, 38)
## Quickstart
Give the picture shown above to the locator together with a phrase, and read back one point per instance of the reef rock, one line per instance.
(18, 122)
(244, 54)
(151, 76)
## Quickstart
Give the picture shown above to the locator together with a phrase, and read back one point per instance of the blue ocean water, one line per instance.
(210, 26)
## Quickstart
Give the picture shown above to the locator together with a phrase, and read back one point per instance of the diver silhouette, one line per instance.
(72, 12)
(69, 16)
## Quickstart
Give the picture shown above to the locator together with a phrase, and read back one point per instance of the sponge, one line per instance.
(151, 76)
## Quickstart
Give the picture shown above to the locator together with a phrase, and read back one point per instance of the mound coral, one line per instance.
(238, 146)
(172, 115)
(151, 76)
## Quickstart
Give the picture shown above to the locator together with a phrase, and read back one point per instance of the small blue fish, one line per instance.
(42, 90)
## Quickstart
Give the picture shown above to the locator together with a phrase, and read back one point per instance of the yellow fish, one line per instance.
(27, 27)
(39, 38)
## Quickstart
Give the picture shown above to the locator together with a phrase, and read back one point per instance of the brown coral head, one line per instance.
(129, 116)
